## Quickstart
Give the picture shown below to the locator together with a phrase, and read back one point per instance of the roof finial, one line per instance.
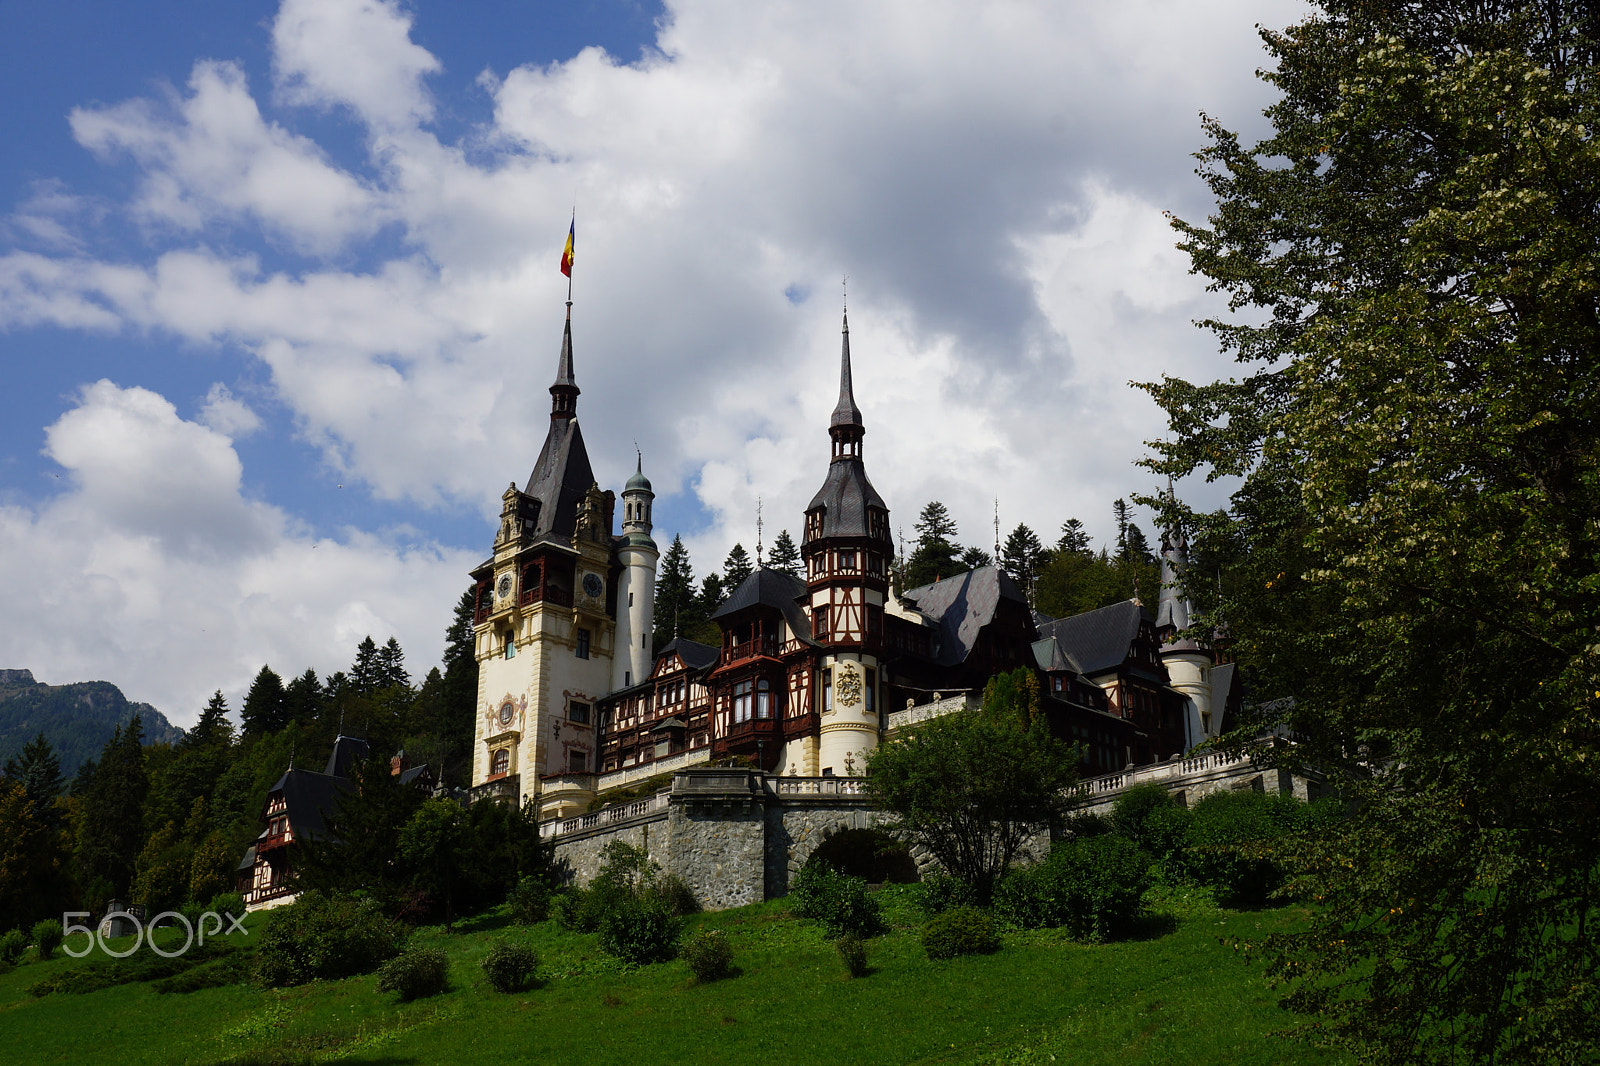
(758, 532)
(638, 466)
(845, 412)
(997, 531)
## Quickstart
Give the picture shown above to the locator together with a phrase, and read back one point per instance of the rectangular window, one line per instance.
(741, 702)
(827, 690)
(578, 712)
(872, 686)
(819, 623)
(583, 643)
(579, 762)
(763, 699)
(511, 645)
(630, 599)
(847, 561)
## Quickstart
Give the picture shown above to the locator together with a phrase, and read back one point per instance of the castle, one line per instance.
(573, 703)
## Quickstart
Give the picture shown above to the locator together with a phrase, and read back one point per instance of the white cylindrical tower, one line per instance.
(849, 714)
(636, 588)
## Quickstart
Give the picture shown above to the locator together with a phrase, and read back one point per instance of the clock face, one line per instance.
(504, 587)
(593, 585)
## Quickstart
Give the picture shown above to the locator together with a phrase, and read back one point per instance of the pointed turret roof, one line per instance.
(845, 413)
(562, 473)
(1172, 613)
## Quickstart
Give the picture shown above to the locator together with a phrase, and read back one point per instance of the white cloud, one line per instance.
(227, 414)
(155, 571)
(356, 53)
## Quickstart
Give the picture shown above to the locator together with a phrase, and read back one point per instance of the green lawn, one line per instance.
(1175, 996)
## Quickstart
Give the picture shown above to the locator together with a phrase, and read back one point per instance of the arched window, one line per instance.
(499, 761)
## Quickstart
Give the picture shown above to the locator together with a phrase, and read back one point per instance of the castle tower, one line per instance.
(636, 585)
(847, 549)
(545, 619)
(1188, 664)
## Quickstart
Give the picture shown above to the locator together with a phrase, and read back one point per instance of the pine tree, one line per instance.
(458, 692)
(37, 769)
(302, 700)
(1119, 510)
(712, 593)
(784, 555)
(974, 557)
(392, 666)
(936, 555)
(735, 568)
(213, 730)
(1023, 556)
(111, 830)
(366, 672)
(675, 593)
(1074, 538)
(263, 710)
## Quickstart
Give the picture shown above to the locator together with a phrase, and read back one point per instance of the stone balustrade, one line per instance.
(610, 816)
(922, 712)
(818, 786)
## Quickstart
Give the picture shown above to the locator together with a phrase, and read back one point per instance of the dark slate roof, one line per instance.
(1223, 678)
(1098, 640)
(846, 494)
(408, 776)
(1052, 658)
(770, 588)
(962, 606)
(695, 656)
(845, 413)
(249, 860)
(560, 478)
(309, 797)
(564, 363)
(346, 752)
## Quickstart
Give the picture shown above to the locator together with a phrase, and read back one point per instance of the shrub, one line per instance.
(1231, 842)
(640, 930)
(853, 951)
(960, 931)
(709, 955)
(327, 937)
(12, 945)
(227, 903)
(841, 903)
(1094, 888)
(47, 937)
(417, 973)
(530, 901)
(939, 892)
(572, 911)
(510, 967)
(675, 894)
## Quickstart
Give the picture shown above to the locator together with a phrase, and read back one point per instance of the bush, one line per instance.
(47, 937)
(510, 967)
(709, 955)
(960, 931)
(939, 892)
(640, 931)
(1093, 887)
(227, 903)
(853, 951)
(321, 936)
(417, 973)
(572, 911)
(12, 945)
(1231, 842)
(841, 903)
(675, 894)
(530, 901)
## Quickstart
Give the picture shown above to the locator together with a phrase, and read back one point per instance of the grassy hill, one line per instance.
(78, 718)
(1176, 995)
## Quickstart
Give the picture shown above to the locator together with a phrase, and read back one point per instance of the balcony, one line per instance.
(549, 594)
(504, 787)
(750, 649)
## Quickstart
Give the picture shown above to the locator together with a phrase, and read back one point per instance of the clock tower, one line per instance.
(545, 624)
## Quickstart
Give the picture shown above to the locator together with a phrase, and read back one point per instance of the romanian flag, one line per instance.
(566, 254)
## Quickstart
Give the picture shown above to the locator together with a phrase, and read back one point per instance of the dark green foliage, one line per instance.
(853, 953)
(709, 955)
(1012, 699)
(33, 878)
(784, 555)
(37, 769)
(415, 974)
(47, 937)
(433, 845)
(678, 609)
(362, 836)
(77, 719)
(1074, 539)
(1094, 888)
(1147, 815)
(202, 966)
(870, 854)
(639, 930)
(530, 901)
(939, 892)
(936, 554)
(960, 931)
(972, 791)
(510, 966)
(1023, 556)
(110, 830)
(571, 910)
(974, 557)
(326, 936)
(840, 902)
(1235, 842)
(627, 905)
(265, 707)
(234, 968)
(12, 945)
(735, 568)
(226, 903)
(675, 895)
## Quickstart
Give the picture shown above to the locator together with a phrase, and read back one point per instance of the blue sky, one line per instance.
(279, 299)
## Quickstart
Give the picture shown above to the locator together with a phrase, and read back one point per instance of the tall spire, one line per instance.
(1173, 612)
(564, 392)
(845, 413)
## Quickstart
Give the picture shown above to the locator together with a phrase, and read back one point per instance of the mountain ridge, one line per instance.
(77, 718)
